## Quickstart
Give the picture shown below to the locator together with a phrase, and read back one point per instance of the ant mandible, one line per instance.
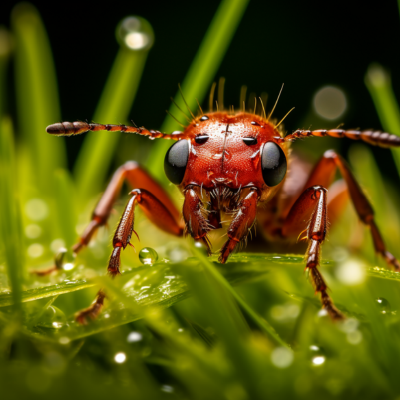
(239, 163)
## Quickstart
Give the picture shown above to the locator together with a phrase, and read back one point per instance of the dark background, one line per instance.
(304, 44)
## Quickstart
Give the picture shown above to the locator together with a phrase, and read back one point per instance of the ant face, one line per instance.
(232, 151)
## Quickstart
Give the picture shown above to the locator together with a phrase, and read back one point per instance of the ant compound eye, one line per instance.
(176, 160)
(273, 164)
(201, 139)
(250, 141)
(204, 118)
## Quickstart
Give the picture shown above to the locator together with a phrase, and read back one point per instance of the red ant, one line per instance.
(239, 162)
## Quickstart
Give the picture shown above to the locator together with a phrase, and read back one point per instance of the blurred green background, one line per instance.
(177, 328)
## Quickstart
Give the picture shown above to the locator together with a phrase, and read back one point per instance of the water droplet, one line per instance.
(53, 318)
(148, 256)
(176, 252)
(135, 33)
(202, 247)
(167, 388)
(317, 355)
(120, 358)
(134, 337)
(383, 305)
(281, 357)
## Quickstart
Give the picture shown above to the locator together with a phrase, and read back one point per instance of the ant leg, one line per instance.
(330, 161)
(194, 215)
(157, 212)
(93, 310)
(313, 201)
(137, 177)
(241, 224)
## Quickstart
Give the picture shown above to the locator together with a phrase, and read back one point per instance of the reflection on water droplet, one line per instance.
(384, 305)
(148, 256)
(135, 33)
(36, 209)
(176, 253)
(281, 357)
(53, 318)
(201, 246)
(317, 355)
(64, 340)
(167, 388)
(134, 337)
(120, 358)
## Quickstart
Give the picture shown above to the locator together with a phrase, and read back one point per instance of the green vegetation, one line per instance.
(184, 327)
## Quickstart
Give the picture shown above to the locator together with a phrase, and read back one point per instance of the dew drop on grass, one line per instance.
(383, 305)
(120, 358)
(317, 355)
(135, 33)
(176, 253)
(282, 357)
(52, 318)
(201, 246)
(134, 337)
(148, 256)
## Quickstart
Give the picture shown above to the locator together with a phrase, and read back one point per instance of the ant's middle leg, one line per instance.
(137, 177)
(312, 201)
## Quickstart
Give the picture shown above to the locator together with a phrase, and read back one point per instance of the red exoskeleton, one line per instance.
(238, 163)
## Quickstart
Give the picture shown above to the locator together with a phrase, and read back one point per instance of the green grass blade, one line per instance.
(5, 50)
(380, 88)
(201, 73)
(115, 104)
(10, 221)
(65, 206)
(263, 325)
(37, 95)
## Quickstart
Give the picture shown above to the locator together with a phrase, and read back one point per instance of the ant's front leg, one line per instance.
(194, 214)
(314, 200)
(243, 220)
(157, 213)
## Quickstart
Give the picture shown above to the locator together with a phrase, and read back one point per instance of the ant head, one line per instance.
(230, 150)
